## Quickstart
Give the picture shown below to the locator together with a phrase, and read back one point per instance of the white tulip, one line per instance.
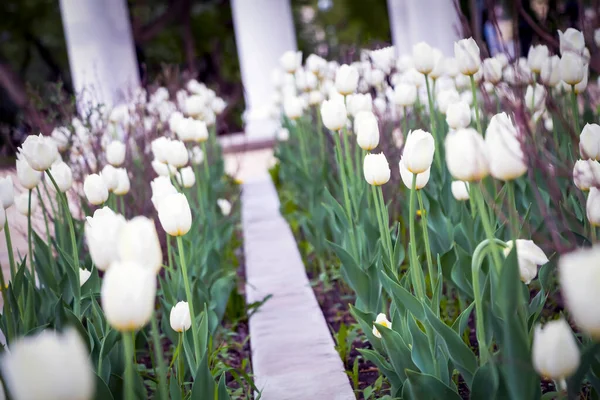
(161, 187)
(579, 274)
(439, 66)
(375, 77)
(466, 53)
(224, 206)
(407, 176)
(49, 366)
(333, 113)
(28, 177)
(95, 189)
(571, 41)
(529, 256)
(380, 105)
(376, 169)
(405, 94)
(110, 177)
(7, 192)
(175, 215)
(39, 151)
(84, 275)
(572, 68)
(180, 317)
(115, 153)
(218, 105)
(315, 97)
(550, 73)
(124, 184)
(589, 142)
(138, 243)
(186, 177)
(398, 138)
(195, 105)
(127, 295)
(189, 129)
(537, 56)
(102, 232)
(2, 218)
(63, 176)
(535, 97)
(346, 79)
(61, 136)
(581, 86)
(554, 352)
(293, 107)
(466, 155)
(423, 57)
(22, 203)
(445, 98)
(492, 70)
(418, 151)
(174, 119)
(290, 61)
(586, 173)
(196, 155)
(592, 206)
(366, 128)
(506, 158)
(359, 102)
(163, 169)
(160, 147)
(460, 190)
(177, 154)
(383, 321)
(458, 115)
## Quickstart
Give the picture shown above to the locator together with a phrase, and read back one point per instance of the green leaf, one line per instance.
(424, 386)
(403, 299)
(420, 352)
(397, 350)
(384, 366)
(485, 383)
(174, 388)
(204, 384)
(102, 391)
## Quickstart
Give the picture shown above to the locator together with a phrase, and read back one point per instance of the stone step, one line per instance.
(293, 353)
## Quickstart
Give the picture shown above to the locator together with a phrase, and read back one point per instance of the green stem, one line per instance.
(69, 218)
(382, 230)
(169, 253)
(11, 256)
(346, 195)
(129, 366)
(190, 298)
(321, 135)
(415, 267)
(180, 363)
(158, 352)
(348, 159)
(438, 160)
(101, 358)
(385, 219)
(30, 247)
(432, 275)
(487, 227)
(575, 110)
(48, 235)
(477, 119)
(512, 210)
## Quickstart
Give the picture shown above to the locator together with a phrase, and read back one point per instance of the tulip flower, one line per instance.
(293, 108)
(359, 102)
(586, 173)
(138, 242)
(458, 115)
(535, 97)
(186, 177)
(102, 232)
(346, 79)
(581, 86)
(366, 128)
(127, 295)
(163, 169)
(50, 366)
(315, 97)
(460, 190)
(161, 188)
(224, 206)
(177, 155)
(423, 58)
(22, 203)
(492, 70)
(290, 61)
(592, 207)
(445, 98)
(39, 151)
(572, 68)
(419, 149)
(28, 177)
(174, 120)
(63, 176)
(95, 189)
(7, 193)
(195, 105)
(439, 65)
(405, 95)
(124, 184)
(466, 53)
(466, 155)
(529, 256)
(175, 215)
(398, 138)
(180, 317)
(554, 352)
(189, 129)
(383, 321)
(333, 113)
(589, 142)
(218, 105)
(506, 158)
(110, 177)
(537, 56)
(376, 169)
(196, 155)
(407, 176)
(61, 135)
(84, 275)
(159, 148)
(2, 218)
(550, 72)
(316, 64)
(115, 153)
(571, 41)
(579, 274)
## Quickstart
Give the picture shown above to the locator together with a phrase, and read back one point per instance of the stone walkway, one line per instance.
(293, 354)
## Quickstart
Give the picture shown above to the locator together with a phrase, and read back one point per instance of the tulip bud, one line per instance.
(177, 154)
(218, 105)
(159, 148)
(460, 190)
(84, 275)
(224, 206)
(124, 184)
(398, 138)
(63, 176)
(383, 321)
(529, 256)
(506, 158)
(554, 352)
(407, 176)
(290, 61)
(405, 95)
(572, 68)
(581, 86)
(163, 169)
(49, 365)
(445, 98)
(28, 177)
(571, 41)
(189, 129)
(315, 64)
(439, 65)
(550, 73)
(423, 58)
(537, 56)
(535, 97)
(174, 119)
(138, 242)
(492, 70)
(333, 113)
(102, 232)
(380, 105)
(586, 173)
(161, 188)
(293, 108)
(458, 115)
(346, 79)
(466, 155)
(110, 177)
(127, 295)
(39, 151)
(196, 155)
(2, 218)
(466, 53)
(359, 102)
(95, 189)
(7, 192)
(366, 128)
(592, 207)
(175, 215)
(22, 203)
(376, 169)
(186, 177)
(60, 135)
(418, 151)
(589, 142)
(180, 317)
(115, 153)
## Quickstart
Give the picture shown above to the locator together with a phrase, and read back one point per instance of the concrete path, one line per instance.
(293, 354)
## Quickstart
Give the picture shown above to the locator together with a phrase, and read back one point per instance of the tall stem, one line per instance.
(385, 219)
(432, 120)
(512, 210)
(415, 267)
(575, 110)
(346, 195)
(190, 299)
(48, 235)
(11, 256)
(432, 275)
(158, 354)
(129, 366)
(487, 227)
(180, 364)
(30, 247)
(474, 91)
(382, 231)
(206, 173)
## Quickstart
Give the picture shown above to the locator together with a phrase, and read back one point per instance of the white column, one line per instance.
(102, 56)
(433, 21)
(264, 30)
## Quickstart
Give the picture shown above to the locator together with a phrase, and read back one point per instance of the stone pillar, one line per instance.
(264, 30)
(102, 56)
(433, 21)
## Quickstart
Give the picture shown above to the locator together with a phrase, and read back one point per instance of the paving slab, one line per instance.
(293, 353)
